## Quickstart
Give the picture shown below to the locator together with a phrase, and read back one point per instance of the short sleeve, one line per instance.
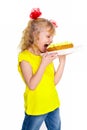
(22, 57)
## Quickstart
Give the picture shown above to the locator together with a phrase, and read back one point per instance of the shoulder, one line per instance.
(23, 56)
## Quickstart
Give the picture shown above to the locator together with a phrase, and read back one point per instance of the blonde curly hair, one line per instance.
(35, 26)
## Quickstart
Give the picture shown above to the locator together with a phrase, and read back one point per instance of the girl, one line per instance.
(41, 99)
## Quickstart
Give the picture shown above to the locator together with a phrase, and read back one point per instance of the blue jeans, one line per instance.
(52, 121)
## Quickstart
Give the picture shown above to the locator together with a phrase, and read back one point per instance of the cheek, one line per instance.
(40, 46)
(41, 43)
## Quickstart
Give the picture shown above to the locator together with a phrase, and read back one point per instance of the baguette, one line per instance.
(60, 46)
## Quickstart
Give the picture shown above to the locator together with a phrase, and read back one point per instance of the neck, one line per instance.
(34, 49)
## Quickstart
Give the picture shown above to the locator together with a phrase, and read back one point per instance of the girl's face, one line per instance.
(44, 40)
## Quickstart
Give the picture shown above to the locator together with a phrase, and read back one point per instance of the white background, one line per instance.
(71, 16)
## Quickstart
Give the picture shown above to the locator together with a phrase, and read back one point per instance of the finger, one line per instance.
(45, 54)
(53, 54)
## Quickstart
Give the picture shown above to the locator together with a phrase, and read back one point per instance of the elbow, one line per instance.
(31, 87)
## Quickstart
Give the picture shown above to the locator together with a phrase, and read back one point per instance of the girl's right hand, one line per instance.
(48, 58)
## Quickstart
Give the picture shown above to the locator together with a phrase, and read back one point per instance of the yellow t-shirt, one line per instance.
(44, 98)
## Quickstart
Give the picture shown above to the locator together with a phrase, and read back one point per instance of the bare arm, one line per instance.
(60, 69)
(31, 79)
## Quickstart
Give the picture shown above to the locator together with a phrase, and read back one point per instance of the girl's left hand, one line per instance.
(62, 58)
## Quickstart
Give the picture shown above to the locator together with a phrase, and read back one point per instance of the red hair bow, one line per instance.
(54, 23)
(35, 13)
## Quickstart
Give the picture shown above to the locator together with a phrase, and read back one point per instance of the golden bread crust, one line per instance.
(55, 47)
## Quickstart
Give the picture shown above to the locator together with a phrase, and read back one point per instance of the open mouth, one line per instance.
(46, 45)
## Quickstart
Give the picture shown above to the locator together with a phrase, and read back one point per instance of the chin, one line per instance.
(44, 50)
